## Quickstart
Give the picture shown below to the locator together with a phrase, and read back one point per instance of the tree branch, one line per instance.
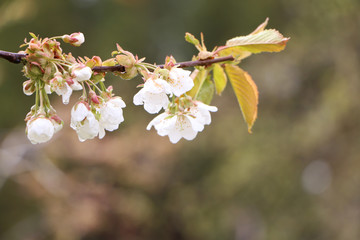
(202, 62)
(12, 57)
(17, 57)
(116, 68)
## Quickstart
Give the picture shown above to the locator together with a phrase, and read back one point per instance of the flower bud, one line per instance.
(39, 130)
(94, 98)
(75, 39)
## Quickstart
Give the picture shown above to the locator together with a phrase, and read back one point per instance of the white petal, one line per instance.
(47, 89)
(207, 107)
(101, 133)
(88, 129)
(76, 86)
(155, 102)
(79, 112)
(152, 108)
(174, 136)
(157, 120)
(138, 98)
(66, 95)
(82, 73)
(180, 81)
(111, 114)
(196, 124)
(166, 126)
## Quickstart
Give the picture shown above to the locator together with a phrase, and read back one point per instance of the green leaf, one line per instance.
(269, 40)
(237, 53)
(206, 92)
(200, 76)
(220, 78)
(109, 62)
(260, 40)
(33, 35)
(246, 93)
(193, 40)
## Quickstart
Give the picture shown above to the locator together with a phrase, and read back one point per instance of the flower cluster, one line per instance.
(91, 121)
(183, 116)
(50, 70)
(98, 110)
(184, 95)
(183, 119)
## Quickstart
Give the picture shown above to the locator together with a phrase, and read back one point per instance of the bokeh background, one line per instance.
(296, 177)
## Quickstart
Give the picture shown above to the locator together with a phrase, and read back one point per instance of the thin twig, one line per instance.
(12, 57)
(17, 57)
(116, 68)
(202, 62)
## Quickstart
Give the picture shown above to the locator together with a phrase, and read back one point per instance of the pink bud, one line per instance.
(109, 89)
(94, 98)
(75, 39)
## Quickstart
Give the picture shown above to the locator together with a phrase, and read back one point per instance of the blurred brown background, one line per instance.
(296, 177)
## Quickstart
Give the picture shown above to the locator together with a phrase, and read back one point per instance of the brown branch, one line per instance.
(17, 57)
(12, 57)
(116, 68)
(202, 62)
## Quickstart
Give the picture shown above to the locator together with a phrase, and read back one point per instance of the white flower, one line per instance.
(111, 115)
(84, 122)
(75, 39)
(183, 125)
(180, 81)
(62, 87)
(65, 91)
(39, 130)
(80, 72)
(153, 95)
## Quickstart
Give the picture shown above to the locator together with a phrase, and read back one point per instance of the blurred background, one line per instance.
(296, 177)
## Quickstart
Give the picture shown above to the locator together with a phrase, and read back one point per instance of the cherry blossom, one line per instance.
(111, 115)
(180, 81)
(83, 121)
(153, 95)
(183, 124)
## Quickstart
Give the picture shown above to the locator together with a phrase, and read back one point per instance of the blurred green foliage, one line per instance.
(226, 184)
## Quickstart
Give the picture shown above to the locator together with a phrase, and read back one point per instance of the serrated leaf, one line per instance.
(269, 40)
(246, 93)
(199, 77)
(206, 91)
(220, 78)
